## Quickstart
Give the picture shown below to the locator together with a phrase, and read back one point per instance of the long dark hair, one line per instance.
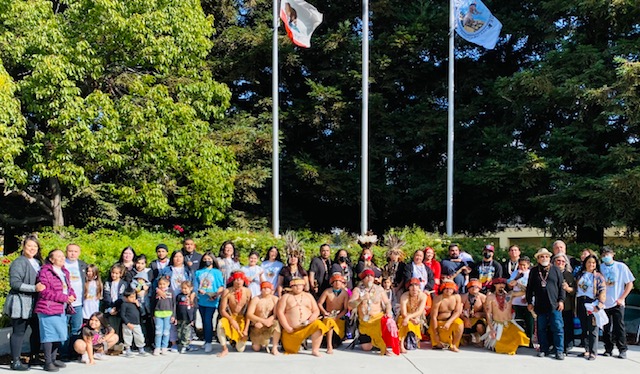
(87, 332)
(173, 255)
(34, 239)
(583, 268)
(266, 254)
(122, 254)
(337, 256)
(215, 263)
(235, 250)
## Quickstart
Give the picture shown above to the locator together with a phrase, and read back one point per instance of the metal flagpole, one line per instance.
(452, 25)
(276, 146)
(364, 225)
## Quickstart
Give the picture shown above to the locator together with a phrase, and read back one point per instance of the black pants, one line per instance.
(51, 352)
(614, 331)
(19, 326)
(525, 319)
(588, 325)
(567, 317)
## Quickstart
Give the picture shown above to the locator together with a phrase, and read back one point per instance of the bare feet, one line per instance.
(329, 351)
(402, 350)
(438, 346)
(316, 353)
(274, 351)
(224, 352)
(453, 348)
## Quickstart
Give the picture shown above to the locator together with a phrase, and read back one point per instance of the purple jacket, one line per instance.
(52, 300)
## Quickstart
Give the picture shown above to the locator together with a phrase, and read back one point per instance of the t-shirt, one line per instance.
(521, 285)
(320, 268)
(272, 271)
(209, 281)
(420, 272)
(75, 279)
(616, 276)
(184, 308)
(487, 271)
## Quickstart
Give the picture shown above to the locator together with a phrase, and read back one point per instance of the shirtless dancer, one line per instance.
(412, 304)
(473, 314)
(370, 299)
(446, 326)
(334, 304)
(504, 335)
(298, 313)
(233, 307)
(262, 313)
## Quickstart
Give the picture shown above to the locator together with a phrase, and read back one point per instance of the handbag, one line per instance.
(70, 309)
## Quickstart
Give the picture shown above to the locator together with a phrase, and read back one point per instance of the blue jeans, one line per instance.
(163, 326)
(74, 321)
(206, 312)
(551, 321)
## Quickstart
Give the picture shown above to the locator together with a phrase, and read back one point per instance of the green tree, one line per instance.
(116, 111)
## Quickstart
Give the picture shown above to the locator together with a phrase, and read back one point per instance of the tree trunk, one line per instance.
(590, 235)
(56, 202)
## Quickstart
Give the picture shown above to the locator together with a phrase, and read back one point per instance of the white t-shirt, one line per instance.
(75, 280)
(420, 272)
(616, 276)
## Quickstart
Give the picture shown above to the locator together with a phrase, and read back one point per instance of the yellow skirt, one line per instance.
(373, 329)
(263, 335)
(229, 331)
(509, 336)
(403, 331)
(291, 342)
(336, 324)
(446, 336)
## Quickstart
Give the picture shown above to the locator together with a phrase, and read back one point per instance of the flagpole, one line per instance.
(276, 146)
(450, 130)
(364, 225)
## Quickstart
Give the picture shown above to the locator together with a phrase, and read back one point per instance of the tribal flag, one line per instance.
(300, 19)
(476, 24)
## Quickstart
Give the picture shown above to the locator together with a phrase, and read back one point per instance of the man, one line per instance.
(473, 313)
(545, 285)
(370, 300)
(488, 268)
(561, 247)
(191, 257)
(619, 281)
(504, 335)
(298, 314)
(77, 275)
(412, 304)
(334, 304)
(446, 327)
(161, 262)
(319, 271)
(511, 264)
(262, 313)
(233, 307)
(456, 268)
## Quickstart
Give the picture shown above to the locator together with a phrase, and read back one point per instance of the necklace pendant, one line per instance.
(543, 284)
(365, 318)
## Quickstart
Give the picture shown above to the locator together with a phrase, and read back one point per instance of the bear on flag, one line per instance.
(300, 20)
(476, 24)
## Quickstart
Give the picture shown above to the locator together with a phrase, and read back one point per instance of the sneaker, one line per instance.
(607, 354)
(183, 350)
(51, 367)
(99, 356)
(208, 348)
(192, 348)
(128, 353)
(165, 351)
(623, 355)
(541, 354)
(560, 356)
(84, 358)
(156, 352)
(142, 352)
(19, 366)
(59, 364)
(174, 349)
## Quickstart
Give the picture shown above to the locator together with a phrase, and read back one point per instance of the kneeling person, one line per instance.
(446, 327)
(504, 335)
(233, 307)
(298, 313)
(333, 305)
(262, 313)
(412, 304)
(473, 313)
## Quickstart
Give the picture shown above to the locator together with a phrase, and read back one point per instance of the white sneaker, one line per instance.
(192, 348)
(156, 352)
(142, 352)
(174, 349)
(183, 350)
(128, 353)
(99, 356)
(208, 348)
(165, 351)
(85, 358)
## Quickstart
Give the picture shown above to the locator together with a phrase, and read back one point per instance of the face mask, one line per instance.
(207, 263)
(545, 263)
(608, 260)
(487, 255)
(367, 257)
(342, 259)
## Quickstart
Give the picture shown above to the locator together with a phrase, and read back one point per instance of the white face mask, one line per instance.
(545, 263)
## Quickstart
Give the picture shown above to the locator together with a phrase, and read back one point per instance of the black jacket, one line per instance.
(547, 297)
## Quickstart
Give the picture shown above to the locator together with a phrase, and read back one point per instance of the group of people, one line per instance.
(274, 305)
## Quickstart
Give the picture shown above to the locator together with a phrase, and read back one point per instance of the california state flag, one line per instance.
(300, 19)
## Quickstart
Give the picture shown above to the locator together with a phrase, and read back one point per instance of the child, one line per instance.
(254, 273)
(131, 330)
(163, 317)
(97, 338)
(185, 314)
(92, 293)
(391, 294)
(112, 296)
(141, 283)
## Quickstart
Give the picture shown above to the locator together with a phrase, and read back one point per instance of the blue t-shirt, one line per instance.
(208, 280)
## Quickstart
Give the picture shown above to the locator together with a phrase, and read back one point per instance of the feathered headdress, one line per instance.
(394, 245)
(293, 246)
(367, 240)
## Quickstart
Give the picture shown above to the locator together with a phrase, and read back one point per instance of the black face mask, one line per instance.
(487, 255)
(342, 259)
(207, 263)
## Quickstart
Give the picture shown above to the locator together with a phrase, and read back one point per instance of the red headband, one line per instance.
(238, 275)
(366, 272)
(413, 281)
(498, 281)
(266, 285)
(450, 285)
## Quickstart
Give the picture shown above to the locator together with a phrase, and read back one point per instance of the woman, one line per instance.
(272, 265)
(23, 273)
(342, 264)
(209, 285)
(433, 264)
(228, 261)
(591, 289)
(292, 270)
(417, 269)
(127, 258)
(569, 285)
(176, 273)
(53, 305)
(367, 261)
